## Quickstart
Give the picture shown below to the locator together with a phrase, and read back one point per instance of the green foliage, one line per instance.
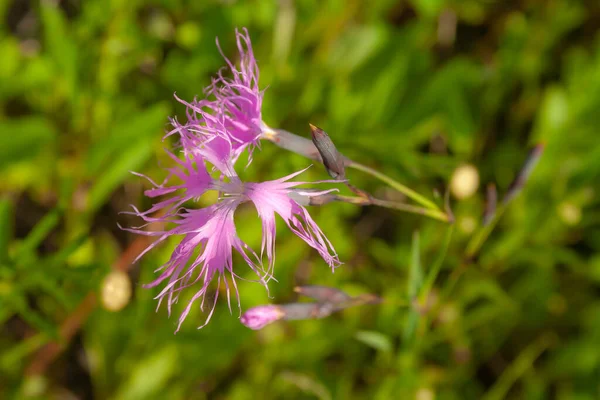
(412, 88)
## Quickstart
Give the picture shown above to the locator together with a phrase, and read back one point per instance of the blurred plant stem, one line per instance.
(305, 147)
(473, 247)
(482, 234)
(437, 266)
(493, 213)
(519, 367)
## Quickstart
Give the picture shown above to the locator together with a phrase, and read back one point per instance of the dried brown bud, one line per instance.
(332, 159)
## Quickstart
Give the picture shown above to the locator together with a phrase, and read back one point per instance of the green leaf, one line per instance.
(6, 227)
(61, 256)
(415, 277)
(60, 46)
(376, 340)
(130, 160)
(307, 384)
(415, 280)
(145, 126)
(23, 138)
(16, 354)
(32, 317)
(39, 232)
(356, 46)
(149, 377)
(437, 266)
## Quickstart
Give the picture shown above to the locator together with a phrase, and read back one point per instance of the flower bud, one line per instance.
(261, 316)
(330, 300)
(332, 159)
(323, 293)
(300, 311)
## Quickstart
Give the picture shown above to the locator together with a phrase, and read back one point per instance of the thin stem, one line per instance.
(523, 363)
(515, 188)
(305, 147)
(435, 269)
(435, 214)
(473, 248)
(408, 192)
(481, 236)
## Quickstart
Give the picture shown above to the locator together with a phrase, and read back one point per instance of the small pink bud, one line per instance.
(261, 316)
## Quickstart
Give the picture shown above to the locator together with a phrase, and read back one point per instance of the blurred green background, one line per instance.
(413, 88)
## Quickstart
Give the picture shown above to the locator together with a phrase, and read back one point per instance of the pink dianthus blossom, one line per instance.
(233, 104)
(209, 234)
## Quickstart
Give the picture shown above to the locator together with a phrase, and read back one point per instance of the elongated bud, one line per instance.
(261, 316)
(332, 159)
(292, 142)
(329, 300)
(323, 294)
(357, 301)
(299, 311)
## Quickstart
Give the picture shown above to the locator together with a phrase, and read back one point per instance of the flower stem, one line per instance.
(435, 270)
(362, 201)
(408, 192)
(299, 145)
(515, 188)
(522, 364)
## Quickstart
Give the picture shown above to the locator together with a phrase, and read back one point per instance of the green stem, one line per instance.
(519, 367)
(435, 269)
(435, 214)
(300, 145)
(408, 192)
(481, 236)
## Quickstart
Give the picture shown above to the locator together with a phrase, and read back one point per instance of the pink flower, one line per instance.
(213, 231)
(280, 197)
(195, 181)
(261, 316)
(217, 131)
(233, 104)
(209, 235)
